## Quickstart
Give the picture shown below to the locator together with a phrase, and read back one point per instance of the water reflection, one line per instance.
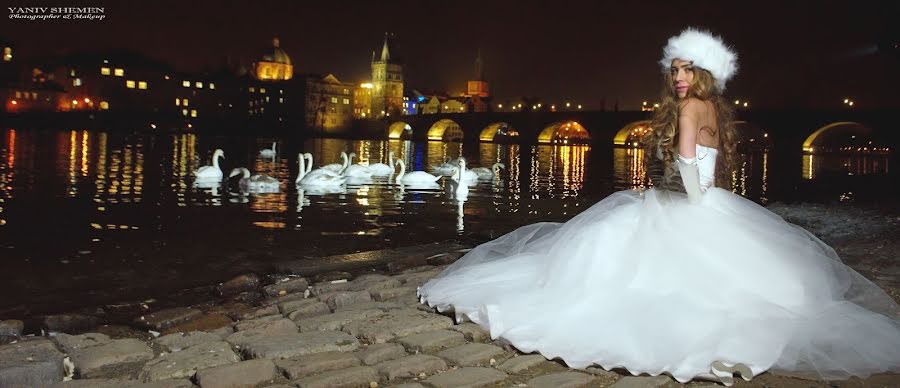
(830, 164)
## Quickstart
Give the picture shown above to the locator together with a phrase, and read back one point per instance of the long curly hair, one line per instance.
(661, 142)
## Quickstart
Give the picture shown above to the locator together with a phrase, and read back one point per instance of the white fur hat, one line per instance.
(704, 50)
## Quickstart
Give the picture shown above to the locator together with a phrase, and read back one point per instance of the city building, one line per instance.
(362, 101)
(387, 83)
(275, 65)
(328, 104)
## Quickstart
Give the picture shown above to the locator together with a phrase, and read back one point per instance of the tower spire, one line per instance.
(385, 52)
(479, 67)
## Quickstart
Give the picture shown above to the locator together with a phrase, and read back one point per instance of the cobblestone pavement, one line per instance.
(366, 332)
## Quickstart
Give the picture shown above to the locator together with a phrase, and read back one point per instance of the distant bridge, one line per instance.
(797, 130)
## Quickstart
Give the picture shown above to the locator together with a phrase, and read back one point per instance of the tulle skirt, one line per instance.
(648, 282)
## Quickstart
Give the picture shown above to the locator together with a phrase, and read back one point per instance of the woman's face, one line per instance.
(682, 76)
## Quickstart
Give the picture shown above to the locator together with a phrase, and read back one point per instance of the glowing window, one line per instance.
(105, 71)
(142, 85)
(184, 112)
(129, 84)
(334, 100)
(193, 113)
(7, 54)
(212, 85)
(262, 90)
(104, 105)
(184, 102)
(346, 101)
(186, 84)
(18, 94)
(120, 72)
(76, 82)
(267, 98)
(177, 102)
(252, 89)
(199, 85)
(281, 100)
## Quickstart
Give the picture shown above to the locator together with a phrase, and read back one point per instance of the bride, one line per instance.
(695, 284)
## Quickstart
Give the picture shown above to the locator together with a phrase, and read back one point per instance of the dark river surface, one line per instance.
(92, 217)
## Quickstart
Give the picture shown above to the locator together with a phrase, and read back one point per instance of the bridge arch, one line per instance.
(838, 136)
(445, 130)
(630, 135)
(504, 130)
(564, 132)
(400, 130)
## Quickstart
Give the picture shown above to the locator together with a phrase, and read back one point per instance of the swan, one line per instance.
(462, 187)
(211, 173)
(308, 171)
(414, 177)
(338, 167)
(319, 178)
(381, 169)
(446, 168)
(356, 170)
(258, 183)
(268, 153)
(486, 173)
(460, 173)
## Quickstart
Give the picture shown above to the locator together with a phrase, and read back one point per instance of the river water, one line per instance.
(93, 217)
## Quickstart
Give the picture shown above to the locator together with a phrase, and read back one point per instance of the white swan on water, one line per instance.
(338, 167)
(462, 187)
(268, 153)
(257, 183)
(318, 178)
(446, 168)
(356, 170)
(211, 173)
(414, 177)
(381, 169)
(488, 173)
(460, 173)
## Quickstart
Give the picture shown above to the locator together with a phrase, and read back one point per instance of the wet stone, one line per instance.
(287, 287)
(240, 374)
(419, 278)
(304, 308)
(177, 341)
(642, 382)
(411, 366)
(256, 322)
(331, 276)
(473, 332)
(299, 344)
(246, 313)
(284, 298)
(390, 293)
(521, 363)
(431, 341)
(11, 328)
(69, 323)
(71, 343)
(185, 363)
(105, 383)
(202, 322)
(30, 363)
(396, 323)
(383, 306)
(165, 319)
(262, 330)
(112, 358)
(316, 363)
(359, 376)
(239, 284)
(561, 380)
(327, 288)
(467, 377)
(339, 299)
(374, 354)
(421, 268)
(471, 354)
(446, 258)
(408, 385)
(335, 321)
(373, 282)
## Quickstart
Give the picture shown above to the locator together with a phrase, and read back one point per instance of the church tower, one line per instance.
(387, 83)
(478, 86)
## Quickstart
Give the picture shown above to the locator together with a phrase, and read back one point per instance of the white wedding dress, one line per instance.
(652, 283)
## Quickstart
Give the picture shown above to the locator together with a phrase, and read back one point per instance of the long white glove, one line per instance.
(690, 175)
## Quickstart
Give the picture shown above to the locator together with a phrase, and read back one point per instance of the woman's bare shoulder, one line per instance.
(692, 106)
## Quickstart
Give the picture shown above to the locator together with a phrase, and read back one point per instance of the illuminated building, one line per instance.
(387, 83)
(362, 101)
(328, 104)
(478, 86)
(274, 66)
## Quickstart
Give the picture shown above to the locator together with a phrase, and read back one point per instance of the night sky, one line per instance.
(791, 53)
